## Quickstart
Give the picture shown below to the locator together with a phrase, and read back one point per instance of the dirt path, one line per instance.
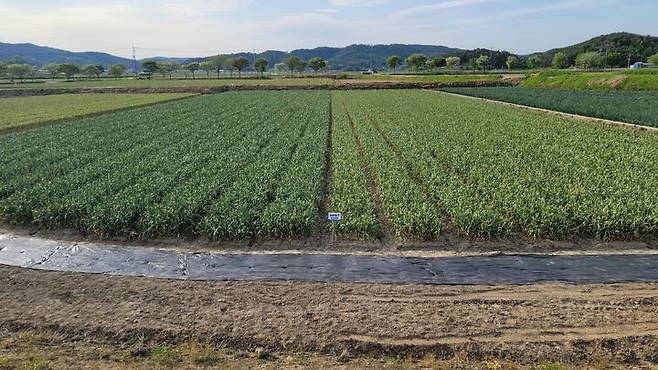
(555, 322)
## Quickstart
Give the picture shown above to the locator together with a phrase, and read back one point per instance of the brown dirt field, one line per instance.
(571, 324)
(360, 85)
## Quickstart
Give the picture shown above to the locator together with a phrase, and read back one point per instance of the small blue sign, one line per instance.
(335, 217)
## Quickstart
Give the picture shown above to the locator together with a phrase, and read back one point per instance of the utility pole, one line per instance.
(254, 65)
(371, 47)
(134, 61)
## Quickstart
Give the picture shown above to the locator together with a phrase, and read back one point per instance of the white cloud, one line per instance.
(357, 3)
(196, 7)
(437, 7)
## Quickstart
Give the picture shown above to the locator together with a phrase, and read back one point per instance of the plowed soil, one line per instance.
(524, 324)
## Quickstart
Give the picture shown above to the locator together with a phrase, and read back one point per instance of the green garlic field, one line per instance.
(406, 164)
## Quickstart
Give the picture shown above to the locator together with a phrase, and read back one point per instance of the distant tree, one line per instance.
(559, 60)
(19, 70)
(416, 61)
(168, 68)
(534, 61)
(653, 59)
(295, 64)
(230, 65)
(93, 70)
(3, 69)
(192, 67)
(613, 59)
(429, 65)
(300, 67)
(240, 64)
(512, 62)
(589, 60)
(393, 62)
(100, 69)
(89, 70)
(162, 68)
(117, 70)
(150, 66)
(482, 62)
(452, 62)
(281, 67)
(218, 62)
(438, 62)
(68, 69)
(317, 64)
(51, 69)
(261, 66)
(207, 66)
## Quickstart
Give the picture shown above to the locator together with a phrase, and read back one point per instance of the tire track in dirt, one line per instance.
(517, 335)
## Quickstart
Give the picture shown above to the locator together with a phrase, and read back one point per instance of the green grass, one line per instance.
(486, 170)
(179, 168)
(24, 112)
(639, 107)
(644, 80)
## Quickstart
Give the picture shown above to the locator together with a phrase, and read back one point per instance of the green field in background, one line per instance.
(639, 107)
(21, 112)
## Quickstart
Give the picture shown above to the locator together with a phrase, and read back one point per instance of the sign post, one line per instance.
(334, 218)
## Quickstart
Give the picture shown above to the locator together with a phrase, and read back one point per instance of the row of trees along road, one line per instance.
(219, 63)
(587, 60)
(293, 64)
(21, 71)
(415, 62)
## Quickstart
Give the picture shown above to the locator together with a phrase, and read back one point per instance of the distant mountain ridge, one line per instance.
(353, 57)
(40, 55)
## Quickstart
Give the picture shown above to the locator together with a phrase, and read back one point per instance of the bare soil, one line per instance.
(521, 324)
(338, 85)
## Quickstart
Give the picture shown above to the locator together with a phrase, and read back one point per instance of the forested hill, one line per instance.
(622, 44)
(353, 57)
(40, 55)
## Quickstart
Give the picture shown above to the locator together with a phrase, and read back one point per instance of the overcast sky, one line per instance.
(204, 27)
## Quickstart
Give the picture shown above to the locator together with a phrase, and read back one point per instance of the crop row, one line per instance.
(181, 168)
(409, 213)
(492, 171)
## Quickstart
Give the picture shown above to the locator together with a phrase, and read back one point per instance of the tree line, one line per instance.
(213, 65)
(219, 63)
(500, 60)
(295, 64)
